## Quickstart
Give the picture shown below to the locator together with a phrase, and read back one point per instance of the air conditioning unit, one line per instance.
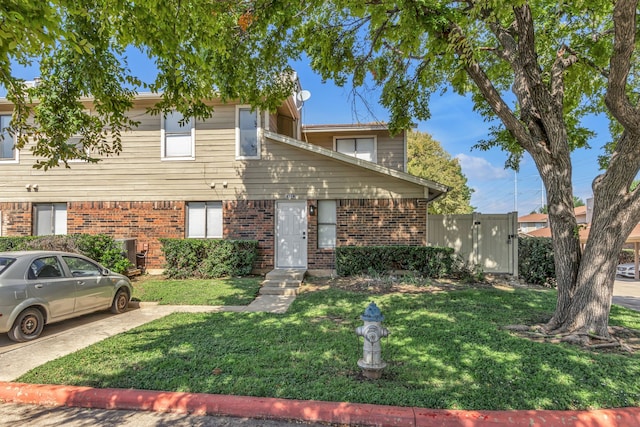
(129, 249)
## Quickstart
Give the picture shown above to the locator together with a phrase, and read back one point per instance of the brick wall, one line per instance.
(381, 222)
(252, 220)
(16, 219)
(361, 222)
(367, 222)
(145, 221)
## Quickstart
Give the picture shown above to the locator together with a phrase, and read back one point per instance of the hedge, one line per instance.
(208, 258)
(99, 247)
(535, 261)
(427, 260)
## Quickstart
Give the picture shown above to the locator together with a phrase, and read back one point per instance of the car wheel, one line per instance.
(120, 302)
(28, 325)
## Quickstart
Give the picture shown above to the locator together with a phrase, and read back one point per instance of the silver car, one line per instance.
(40, 287)
(626, 270)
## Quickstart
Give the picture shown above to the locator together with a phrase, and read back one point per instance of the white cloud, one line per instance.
(478, 168)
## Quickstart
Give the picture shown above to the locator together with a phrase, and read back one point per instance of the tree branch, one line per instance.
(493, 97)
(624, 22)
(557, 76)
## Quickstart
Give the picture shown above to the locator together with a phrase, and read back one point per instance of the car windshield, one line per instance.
(5, 262)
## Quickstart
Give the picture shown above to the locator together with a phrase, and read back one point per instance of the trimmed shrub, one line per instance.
(99, 247)
(208, 258)
(427, 260)
(626, 255)
(535, 261)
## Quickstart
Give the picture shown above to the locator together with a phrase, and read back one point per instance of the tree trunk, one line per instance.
(584, 301)
(565, 238)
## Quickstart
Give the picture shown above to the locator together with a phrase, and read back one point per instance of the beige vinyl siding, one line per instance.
(139, 173)
(390, 150)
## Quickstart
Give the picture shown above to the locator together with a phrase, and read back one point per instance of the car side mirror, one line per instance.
(105, 272)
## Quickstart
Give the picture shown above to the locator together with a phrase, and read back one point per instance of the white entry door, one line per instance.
(291, 235)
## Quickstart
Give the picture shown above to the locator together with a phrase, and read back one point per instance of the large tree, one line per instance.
(537, 67)
(199, 50)
(427, 159)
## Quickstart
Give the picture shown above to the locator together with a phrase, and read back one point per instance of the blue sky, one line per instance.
(453, 123)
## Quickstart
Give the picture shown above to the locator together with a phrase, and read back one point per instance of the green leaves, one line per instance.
(427, 159)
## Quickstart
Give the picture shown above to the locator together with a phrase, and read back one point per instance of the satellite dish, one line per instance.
(302, 96)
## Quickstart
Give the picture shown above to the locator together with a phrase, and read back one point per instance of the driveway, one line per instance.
(626, 292)
(62, 338)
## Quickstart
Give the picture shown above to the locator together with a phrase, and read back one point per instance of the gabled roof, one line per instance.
(436, 190)
(580, 210)
(345, 127)
(540, 232)
(534, 217)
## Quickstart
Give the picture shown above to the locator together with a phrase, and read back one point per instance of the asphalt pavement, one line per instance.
(43, 416)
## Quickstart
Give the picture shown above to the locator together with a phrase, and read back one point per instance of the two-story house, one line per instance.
(240, 174)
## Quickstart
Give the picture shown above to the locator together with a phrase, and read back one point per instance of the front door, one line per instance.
(291, 235)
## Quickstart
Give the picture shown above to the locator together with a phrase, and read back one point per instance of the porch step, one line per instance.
(284, 282)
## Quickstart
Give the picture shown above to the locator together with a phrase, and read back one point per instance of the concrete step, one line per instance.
(279, 291)
(282, 281)
(286, 283)
(286, 273)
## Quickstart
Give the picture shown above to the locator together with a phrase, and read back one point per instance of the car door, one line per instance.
(47, 281)
(93, 290)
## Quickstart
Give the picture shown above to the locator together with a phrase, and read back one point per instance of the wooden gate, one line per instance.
(489, 241)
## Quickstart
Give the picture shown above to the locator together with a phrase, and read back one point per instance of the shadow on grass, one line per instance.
(445, 351)
(225, 291)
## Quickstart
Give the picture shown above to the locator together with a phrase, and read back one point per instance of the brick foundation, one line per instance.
(252, 220)
(145, 221)
(367, 222)
(16, 219)
(361, 222)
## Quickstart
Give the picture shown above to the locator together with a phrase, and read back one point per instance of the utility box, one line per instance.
(129, 249)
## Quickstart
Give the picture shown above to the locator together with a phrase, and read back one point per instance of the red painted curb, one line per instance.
(305, 410)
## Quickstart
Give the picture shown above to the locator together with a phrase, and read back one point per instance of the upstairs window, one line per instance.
(361, 148)
(204, 220)
(178, 137)
(247, 141)
(49, 218)
(7, 142)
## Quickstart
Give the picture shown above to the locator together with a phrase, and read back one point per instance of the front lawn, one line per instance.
(227, 291)
(446, 350)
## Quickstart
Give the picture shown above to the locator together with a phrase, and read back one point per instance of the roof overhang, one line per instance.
(433, 190)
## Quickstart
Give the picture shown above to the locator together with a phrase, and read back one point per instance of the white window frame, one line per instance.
(331, 223)
(71, 141)
(16, 152)
(239, 156)
(58, 212)
(374, 155)
(211, 210)
(191, 132)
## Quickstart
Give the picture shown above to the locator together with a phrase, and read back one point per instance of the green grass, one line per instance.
(228, 291)
(446, 350)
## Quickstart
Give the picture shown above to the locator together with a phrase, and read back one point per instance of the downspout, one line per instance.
(426, 217)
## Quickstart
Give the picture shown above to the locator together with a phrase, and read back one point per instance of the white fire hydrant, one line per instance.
(372, 331)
